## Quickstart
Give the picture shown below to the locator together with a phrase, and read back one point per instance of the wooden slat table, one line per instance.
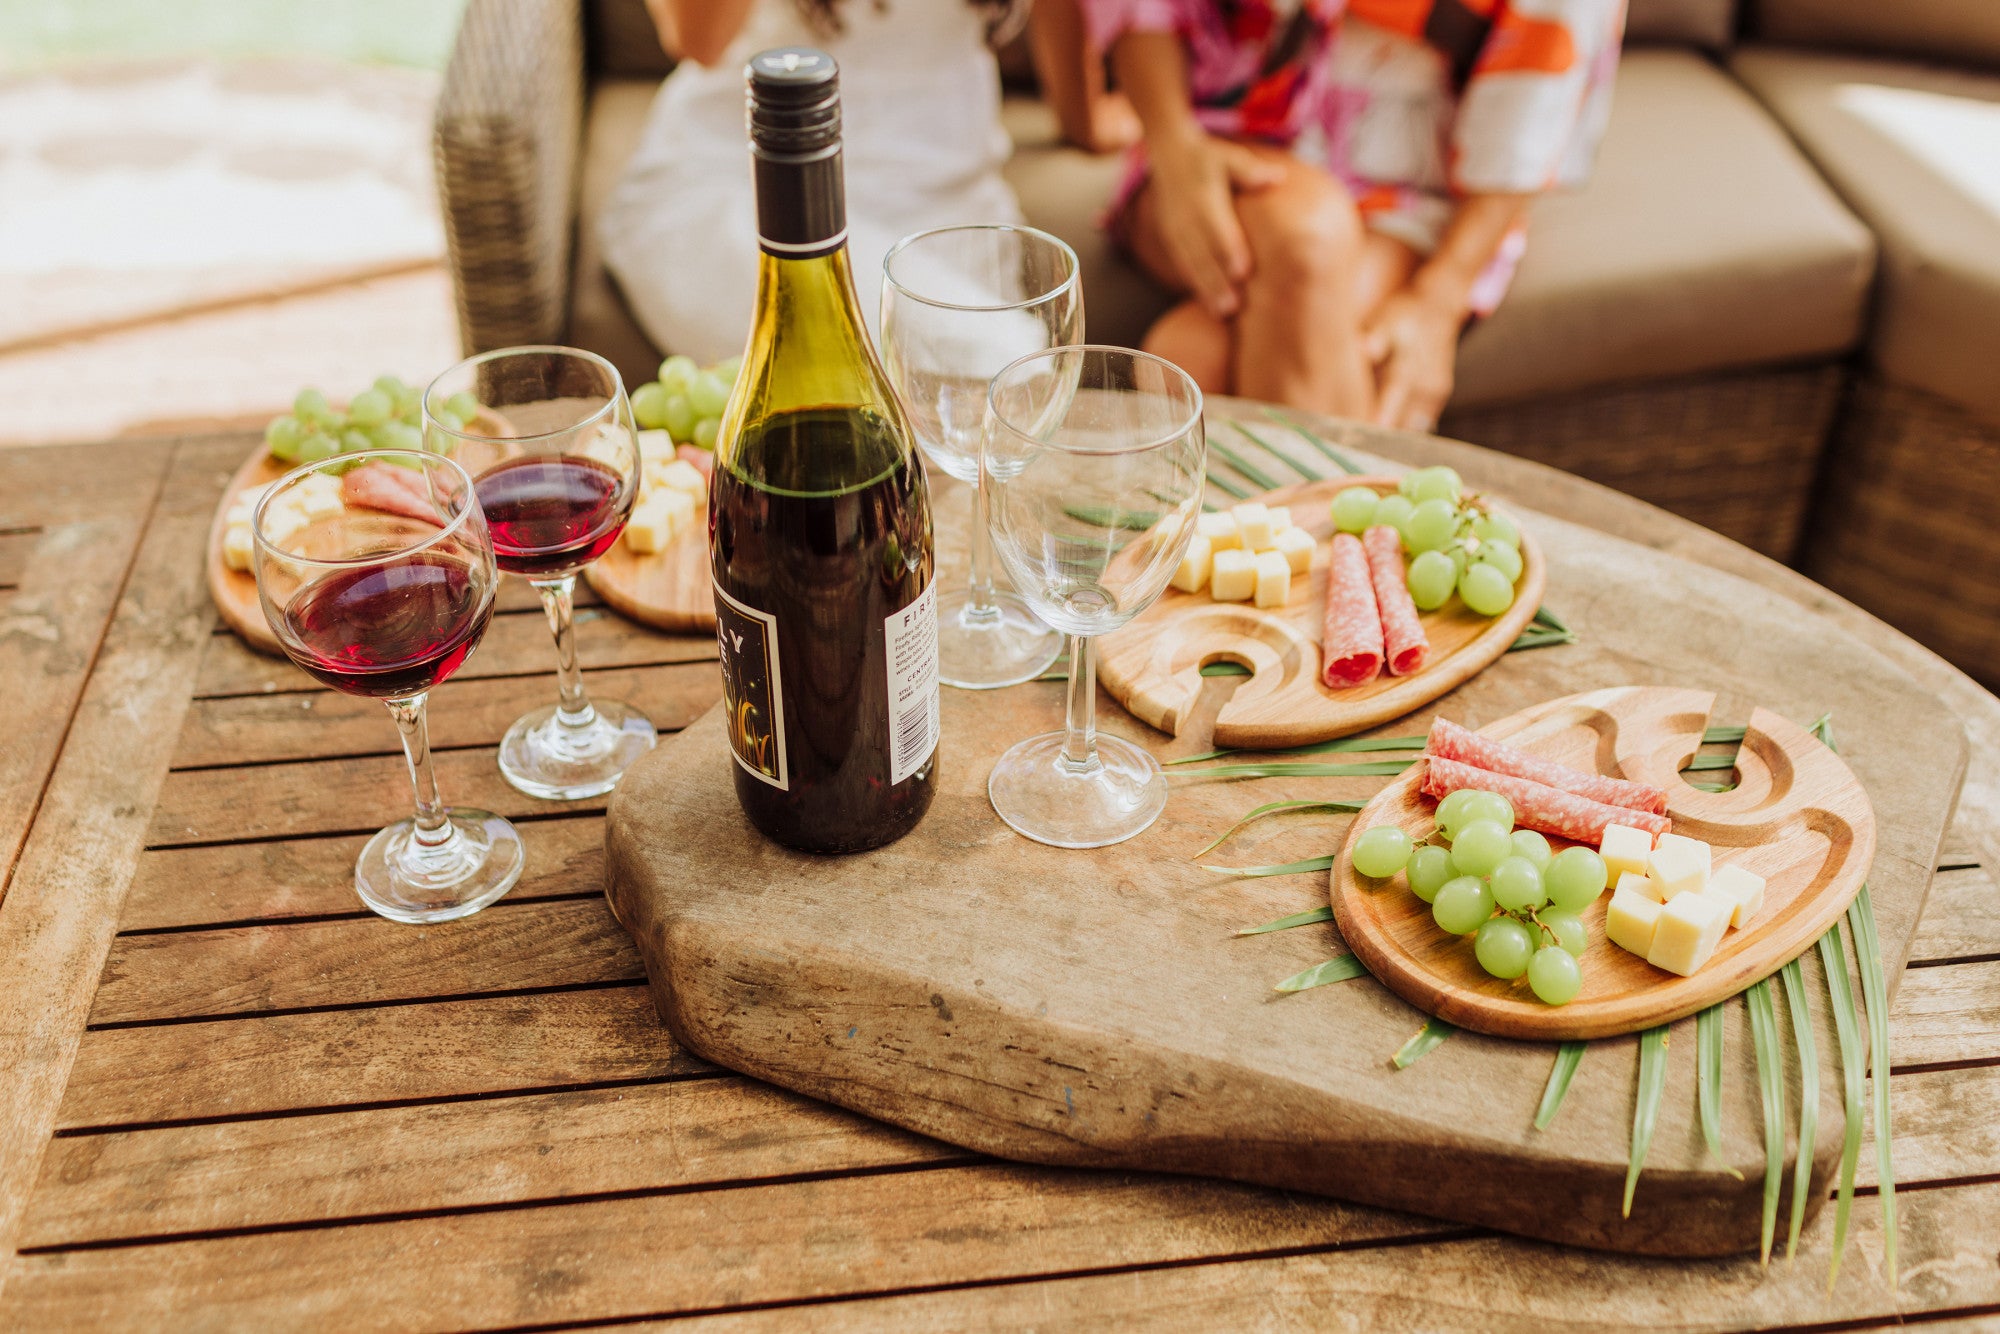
(234, 1099)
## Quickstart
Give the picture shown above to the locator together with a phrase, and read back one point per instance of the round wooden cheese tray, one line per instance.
(670, 590)
(1798, 817)
(1153, 665)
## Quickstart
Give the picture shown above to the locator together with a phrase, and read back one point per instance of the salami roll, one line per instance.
(1402, 631)
(391, 489)
(1351, 645)
(1539, 806)
(1449, 741)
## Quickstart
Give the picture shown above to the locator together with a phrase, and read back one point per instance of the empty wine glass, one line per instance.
(1093, 467)
(548, 436)
(376, 573)
(959, 303)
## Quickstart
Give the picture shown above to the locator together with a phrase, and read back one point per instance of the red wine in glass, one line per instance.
(392, 630)
(552, 513)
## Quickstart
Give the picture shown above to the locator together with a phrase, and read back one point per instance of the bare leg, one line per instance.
(1195, 341)
(1386, 264)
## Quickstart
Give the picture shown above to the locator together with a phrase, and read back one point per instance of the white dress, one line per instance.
(923, 147)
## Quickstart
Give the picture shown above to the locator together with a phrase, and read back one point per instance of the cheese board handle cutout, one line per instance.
(1798, 817)
(1153, 665)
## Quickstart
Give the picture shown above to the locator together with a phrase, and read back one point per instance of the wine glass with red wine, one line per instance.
(548, 436)
(384, 592)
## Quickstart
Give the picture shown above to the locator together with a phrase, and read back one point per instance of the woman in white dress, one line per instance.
(923, 147)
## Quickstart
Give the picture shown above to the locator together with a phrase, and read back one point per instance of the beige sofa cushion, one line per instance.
(599, 319)
(1955, 30)
(1709, 23)
(1916, 151)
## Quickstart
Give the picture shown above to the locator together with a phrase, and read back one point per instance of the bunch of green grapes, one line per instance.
(686, 401)
(1521, 901)
(386, 415)
(1456, 543)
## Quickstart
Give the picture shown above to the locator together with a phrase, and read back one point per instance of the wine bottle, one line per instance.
(819, 514)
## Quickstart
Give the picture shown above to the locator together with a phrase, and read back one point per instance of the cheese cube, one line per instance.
(1281, 518)
(680, 508)
(1644, 886)
(1687, 933)
(1253, 521)
(282, 518)
(1297, 545)
(1676, 868)
(655, 445)
(1702, 852)
(680, 475)
(236, 546)
(1274, 579)
(650, 528)
(1630, 920)
(1233, 576)
(319, 497)
(1220, 530)
(1192, 572)
(1740, 890)
(1624, 849)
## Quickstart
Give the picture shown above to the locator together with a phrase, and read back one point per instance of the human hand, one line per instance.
(1114, 125)
(1196, 177)
(1412, 341)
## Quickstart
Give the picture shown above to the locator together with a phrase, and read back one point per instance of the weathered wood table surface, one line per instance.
(234, 1099)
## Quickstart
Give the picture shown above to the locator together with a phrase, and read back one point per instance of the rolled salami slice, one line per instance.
(393, 490)
(1539, 806)
(1402, 630)
(1351, 644)
(1449, 741)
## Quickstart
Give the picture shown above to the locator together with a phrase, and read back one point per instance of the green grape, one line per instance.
(317, 445)
(450, 420)
(282, 437)
(680, 416)
(1553, 975)
(704, 432)
(1439, 483)
(1432, 577)
(1394, 511)
(1504, 556)
(1489, 806)
(1491, 527)
(1480, 846)
(1381, 852)
(1430, 866)
(1503, 947)
(1430, 525)
(1451, 811)
(1485, 589)
(1568, 929)
(309, 406)
(1459, 560)
(353, 440)
(462, 405)
(1529, 844)
(1462, 904)
(399, 435)
(1517, 885)
(369, 408)
(709, 395)
(678, 372)
(1354, 509)
(649, 406)
(390, 387)
(726, 369)
(409, 404)
(1575, 878)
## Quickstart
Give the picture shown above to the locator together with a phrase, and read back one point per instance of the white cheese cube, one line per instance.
(650, 528)
(1253, 521)
(1644, 886)
(1297, 544)
(1740, 890)
(1630, 920)
(1688, 931)
(612, 447)
(680, 475)
(1624, 849)
(282, 518)
(319, 498)
(681, 509)
(240, 513)
(1676, 868)
(236, 546)
(1700, 850)
(1274, 579)
(655, 445)
(1281, 518)
(1192, 573)
(1233, 576)
(1220, 530)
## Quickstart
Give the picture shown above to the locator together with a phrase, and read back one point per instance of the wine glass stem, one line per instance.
(979, 603)
(558, 598)
(433, 830)
(1080, 730)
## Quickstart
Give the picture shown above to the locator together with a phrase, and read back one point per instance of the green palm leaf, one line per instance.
(1875, 997)
(1363, 769)
(1334, 456)
(1422, 1044)
(1340, 745)
(1257, 476)
(1708, 1081)
(1568, 1057)
(1646, 1111)
(1847, 1028)
(1343, 969)
(1276, 453)
(1277, 807)
(1322, 863)
(1306, 918)
(1802, 1037)
(1771, 1083)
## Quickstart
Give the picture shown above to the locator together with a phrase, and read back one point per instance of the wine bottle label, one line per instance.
(752, 693)
(911, 638)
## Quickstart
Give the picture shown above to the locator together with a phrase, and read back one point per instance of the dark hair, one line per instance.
(1004, 18)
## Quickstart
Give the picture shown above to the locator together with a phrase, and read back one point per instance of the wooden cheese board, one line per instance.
(670, 590)
(1797, 817)
(1153, 665)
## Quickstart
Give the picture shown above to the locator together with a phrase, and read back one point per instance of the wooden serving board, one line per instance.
(669, 590)
(1798, 817)
(1153, 665)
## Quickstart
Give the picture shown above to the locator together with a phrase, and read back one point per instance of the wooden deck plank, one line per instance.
(1961, 917)
(57, 920)
(314, 877)
(15, 549)
(1946, 1014)
(259, 729)
(516, 644)
(361, 961)
(394, 1053)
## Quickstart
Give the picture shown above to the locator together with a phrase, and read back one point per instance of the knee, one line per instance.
(1303, 228)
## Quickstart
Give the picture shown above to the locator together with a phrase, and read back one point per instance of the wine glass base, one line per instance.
(405, 883)
(1042, 796)
(544, 757)
(1004, 646)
